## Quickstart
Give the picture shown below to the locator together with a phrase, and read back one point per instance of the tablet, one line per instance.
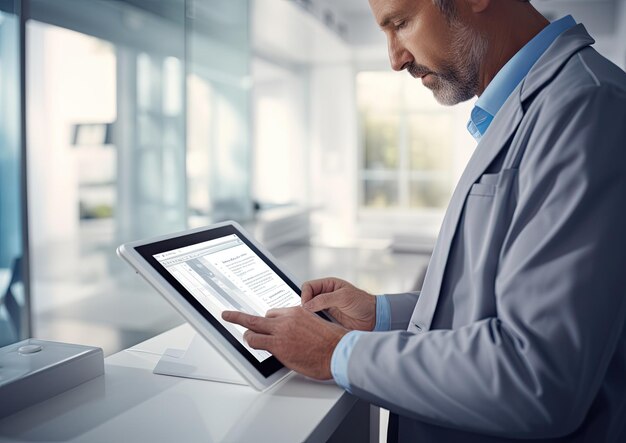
(205, 271)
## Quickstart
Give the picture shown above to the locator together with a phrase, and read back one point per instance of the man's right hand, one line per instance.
(353, 308)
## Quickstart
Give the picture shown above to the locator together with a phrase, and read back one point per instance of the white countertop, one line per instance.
(131, 404)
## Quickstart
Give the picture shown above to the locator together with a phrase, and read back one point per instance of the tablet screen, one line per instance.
(220, 269)
(225, 274)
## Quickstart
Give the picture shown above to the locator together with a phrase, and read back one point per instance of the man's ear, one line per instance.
(477, 6)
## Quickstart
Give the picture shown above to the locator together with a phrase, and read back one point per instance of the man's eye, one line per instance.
(399, 25)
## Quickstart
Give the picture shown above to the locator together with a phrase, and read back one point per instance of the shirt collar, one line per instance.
(511, 74)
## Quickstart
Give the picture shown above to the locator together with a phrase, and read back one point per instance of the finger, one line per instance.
(309, 290)
(258, 341)
(253, 322)
(312, 288)
(277, 312)
(323, 301)
(337, 314)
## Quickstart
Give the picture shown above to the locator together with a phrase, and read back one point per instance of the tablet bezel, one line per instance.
(140, 255)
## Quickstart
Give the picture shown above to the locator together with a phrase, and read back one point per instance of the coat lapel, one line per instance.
(501, 130)
(496, 138)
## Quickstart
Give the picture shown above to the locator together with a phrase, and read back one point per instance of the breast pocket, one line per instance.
(486, 185)
(487, 215)
(481, 189)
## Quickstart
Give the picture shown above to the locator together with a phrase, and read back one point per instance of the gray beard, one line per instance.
(459, 81)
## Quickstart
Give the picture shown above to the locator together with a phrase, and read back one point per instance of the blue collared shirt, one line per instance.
(511, 74)
(341, 355)
(485, 110)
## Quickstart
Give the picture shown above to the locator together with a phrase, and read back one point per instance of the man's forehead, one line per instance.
(384, 10)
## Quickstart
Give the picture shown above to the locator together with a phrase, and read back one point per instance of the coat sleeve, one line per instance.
(402, 306)
(533, 370)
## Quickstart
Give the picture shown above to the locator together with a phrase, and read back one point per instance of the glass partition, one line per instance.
(139, 122)
(218, 89)
(14, 318)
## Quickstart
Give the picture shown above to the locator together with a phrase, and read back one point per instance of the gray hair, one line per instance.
(448, 7)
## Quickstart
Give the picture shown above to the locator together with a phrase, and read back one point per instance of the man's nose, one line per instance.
(398, 55)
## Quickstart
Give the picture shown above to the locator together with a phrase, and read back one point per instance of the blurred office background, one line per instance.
(124, 119)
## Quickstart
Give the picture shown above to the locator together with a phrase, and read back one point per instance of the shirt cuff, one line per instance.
(341, 357)
(383, 314)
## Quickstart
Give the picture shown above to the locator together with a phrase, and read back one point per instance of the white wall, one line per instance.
(323, 149)
(333, 157)
(620, 34)
(281, 134)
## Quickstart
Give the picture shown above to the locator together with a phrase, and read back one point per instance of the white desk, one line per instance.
(131, 404)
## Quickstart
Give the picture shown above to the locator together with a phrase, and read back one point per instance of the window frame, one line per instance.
(404, 220)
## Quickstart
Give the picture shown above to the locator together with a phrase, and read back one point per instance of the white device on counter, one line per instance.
(34, 370)
(203, 272)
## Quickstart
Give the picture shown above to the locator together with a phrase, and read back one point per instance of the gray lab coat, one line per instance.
(518, 332)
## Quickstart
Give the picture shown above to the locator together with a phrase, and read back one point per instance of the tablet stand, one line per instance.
(200, 361)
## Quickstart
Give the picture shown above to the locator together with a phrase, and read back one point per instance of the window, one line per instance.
(409, 154)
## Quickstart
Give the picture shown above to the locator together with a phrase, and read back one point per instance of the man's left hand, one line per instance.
(301, 340)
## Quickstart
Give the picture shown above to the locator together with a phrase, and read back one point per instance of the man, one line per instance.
(518, 332)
